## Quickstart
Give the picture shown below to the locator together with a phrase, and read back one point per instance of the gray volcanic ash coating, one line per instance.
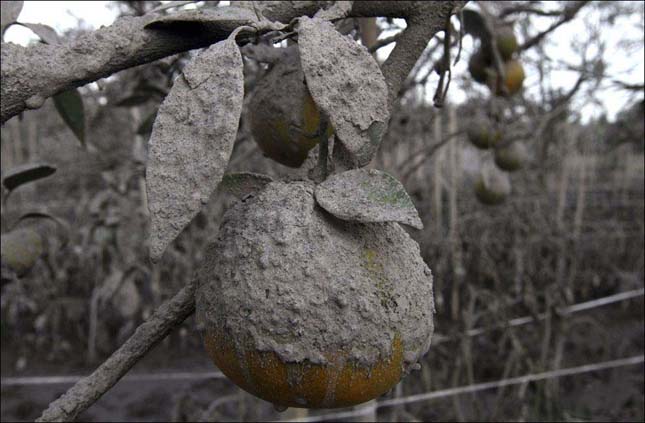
(290, 278)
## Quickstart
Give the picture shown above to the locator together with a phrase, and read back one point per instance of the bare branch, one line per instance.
(86, 391)
(440, 93)
(427, 152)
(568, 14)
(528, 9)
(430, 19)
(385, 41)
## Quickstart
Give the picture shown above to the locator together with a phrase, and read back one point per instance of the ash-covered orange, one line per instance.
(303, 309)
(340, 383)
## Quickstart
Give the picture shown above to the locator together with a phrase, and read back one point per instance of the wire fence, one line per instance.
(438, 338)
(562, 311)
(372, 407)
(148, 377)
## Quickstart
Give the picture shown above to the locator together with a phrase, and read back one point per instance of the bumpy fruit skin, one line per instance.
(284, 117)
(305, 310)
(20, 249)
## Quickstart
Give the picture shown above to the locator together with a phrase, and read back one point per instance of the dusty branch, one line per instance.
(422, 26)
(32, 74)
(86, 391)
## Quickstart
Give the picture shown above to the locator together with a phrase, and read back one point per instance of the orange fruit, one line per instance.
(21, 248)
(493, 186)
(306, 310)
(284, 117)
(506, 42)
(511, 158)
(513, 81)
(340, 383)
(482, 134)
(480, 66)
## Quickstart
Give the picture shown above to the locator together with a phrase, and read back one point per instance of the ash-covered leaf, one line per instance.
(192, 140)
(26, 173)
(70, 107)
(244, 183)
(367, 195)
(46, 33)
(347, 85)
(9, 12)
(196, 22)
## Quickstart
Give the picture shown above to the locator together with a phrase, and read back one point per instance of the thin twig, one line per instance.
(383, 42)
(440, 93)
(527, 9)
(85, 392)
(568, 14)
(428, 152)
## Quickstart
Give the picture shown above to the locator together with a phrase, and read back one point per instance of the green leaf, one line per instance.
(26, 173)
(367, 195)
(134, 99)
(474, 24)
(70, 107)
(9, 12)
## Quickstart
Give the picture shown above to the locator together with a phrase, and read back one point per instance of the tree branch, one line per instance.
(422, 26)
(88, 390)
(384, 42)
(32, 74)
(568, 14)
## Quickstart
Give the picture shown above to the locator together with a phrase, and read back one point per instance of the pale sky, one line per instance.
(63, 15)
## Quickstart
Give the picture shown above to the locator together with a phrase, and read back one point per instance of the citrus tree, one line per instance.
(322, 300)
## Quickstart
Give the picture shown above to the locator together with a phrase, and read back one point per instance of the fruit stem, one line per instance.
(320, 171)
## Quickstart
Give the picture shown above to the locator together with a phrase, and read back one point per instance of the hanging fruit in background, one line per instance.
(480, 66)
(284, 117)
(20, 249)
(493, 186)
(514, 79)
(482, 133)
(506, 42)
(511, 158)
